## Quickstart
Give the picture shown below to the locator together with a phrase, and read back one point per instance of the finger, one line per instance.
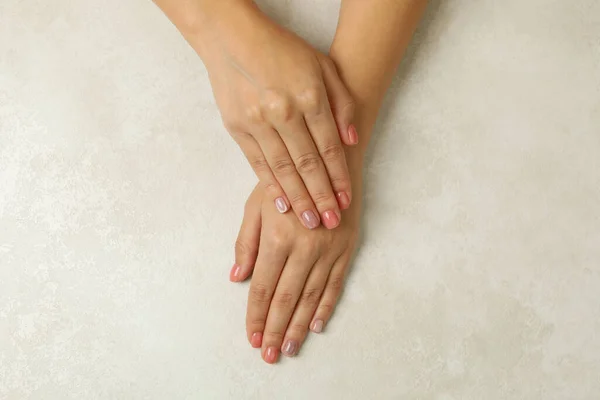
(323, 130)
(331, 294)
(248, 240)
(286, 174)
(261, 168)
(341, 102)
(284, 300)
(305, 309)
(269, 264)
(310, 166)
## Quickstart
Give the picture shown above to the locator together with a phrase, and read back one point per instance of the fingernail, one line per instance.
(234, 275)
(281, 205)
(310, 219)
(352, 135)
(271, 355)
(290, 347)
(256, 340)
(343, 200)
(317, 326)
(330, 219)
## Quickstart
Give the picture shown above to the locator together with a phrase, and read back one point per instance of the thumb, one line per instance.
(246, 245)
(342, 103)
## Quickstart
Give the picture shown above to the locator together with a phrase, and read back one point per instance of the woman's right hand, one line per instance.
(283, 102)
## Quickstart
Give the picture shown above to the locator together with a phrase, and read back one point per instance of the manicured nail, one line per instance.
(352, 135)
(290, 347)
(271, 355)
(234, 275)
(256, 340)
(343, 200)
(310, 219)
(281, 205)
(330, 219)
(317, 326)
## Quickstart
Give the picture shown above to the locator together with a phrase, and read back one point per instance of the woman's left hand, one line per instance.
(297, 274)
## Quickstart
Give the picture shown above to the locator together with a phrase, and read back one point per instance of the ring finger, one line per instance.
(331, 294)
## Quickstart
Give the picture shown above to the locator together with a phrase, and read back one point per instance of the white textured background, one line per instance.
(121, 195)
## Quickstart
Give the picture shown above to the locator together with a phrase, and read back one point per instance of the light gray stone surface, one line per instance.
(121, 194)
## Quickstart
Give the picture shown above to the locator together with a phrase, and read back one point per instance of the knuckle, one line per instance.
(310, 297)
(254, 115)
(278, 241)
(259, 164)
(283, 166)
(322, 198)
(271, 187)
(278, 106)
(273, 337)
(340, 183)
(299, 200)
(283, 300)
(332, 152)
(308, 244)
(260, 294)
(336, 282)
(347, 108)
(297, 329)
(308, 163)
(232, 125)
(255, 322)
(310, 98)
(278, 238)
(242, 248)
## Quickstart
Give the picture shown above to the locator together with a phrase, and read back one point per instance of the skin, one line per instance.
(297, 275)
(281, 100)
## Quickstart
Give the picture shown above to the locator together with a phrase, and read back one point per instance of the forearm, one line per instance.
(369, 43)
(203, 23)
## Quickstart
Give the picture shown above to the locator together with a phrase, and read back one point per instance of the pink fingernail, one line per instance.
(352, 135)
(290, 347)
(234, 275)
(330, 219)
(256, 340)
(343, 200)
(310, 219)
(271, 355)
(317, 326)
(281, 205)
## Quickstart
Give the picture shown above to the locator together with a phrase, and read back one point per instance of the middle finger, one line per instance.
(289, 288)
(311, 168)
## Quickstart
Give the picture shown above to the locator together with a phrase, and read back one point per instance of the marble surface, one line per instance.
(121, 194)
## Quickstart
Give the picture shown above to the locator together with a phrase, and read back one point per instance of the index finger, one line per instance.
(269, 264)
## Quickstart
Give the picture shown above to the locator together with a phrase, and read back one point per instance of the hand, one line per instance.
(284, 104)
(297, 274)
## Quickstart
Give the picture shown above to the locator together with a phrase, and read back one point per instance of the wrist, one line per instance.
(212, 28)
